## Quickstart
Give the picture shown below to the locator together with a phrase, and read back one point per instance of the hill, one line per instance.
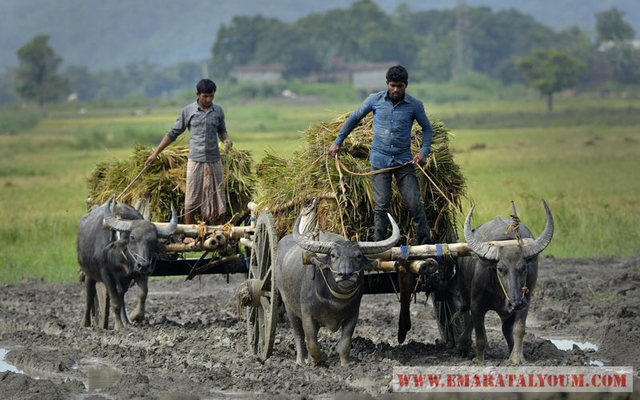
(107, 34)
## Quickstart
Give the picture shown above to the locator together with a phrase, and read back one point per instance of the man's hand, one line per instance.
(333, 150)
(420, 158)
(151, 159)
(227, 145)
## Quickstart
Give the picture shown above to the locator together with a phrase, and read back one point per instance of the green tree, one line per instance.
(610, 25)
(37, 77)
(550, 71)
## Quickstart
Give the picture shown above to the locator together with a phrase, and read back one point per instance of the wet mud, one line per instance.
(192, 346)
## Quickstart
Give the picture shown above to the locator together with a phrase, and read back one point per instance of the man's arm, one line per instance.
(163, 143)
(179, 127)
(427, 135)
(222, 133)
(365, 108)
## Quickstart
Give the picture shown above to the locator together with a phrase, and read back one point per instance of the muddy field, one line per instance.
(191, 345)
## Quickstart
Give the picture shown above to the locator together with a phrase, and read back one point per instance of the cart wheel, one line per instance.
(261, 319)
(450, 324)
(100, 311)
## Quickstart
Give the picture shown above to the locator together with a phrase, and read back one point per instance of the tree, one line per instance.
(36, 74)
(550, 71)
(611, 27)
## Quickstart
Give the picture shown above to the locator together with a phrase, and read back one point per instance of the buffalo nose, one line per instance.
(143, 268)
(345, 277)
(517, 305)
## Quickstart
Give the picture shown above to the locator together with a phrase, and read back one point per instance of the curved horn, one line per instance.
(476, 245)
(113, 222)
(382, 245)
(310, 245)
(168, 230)
(544, 239)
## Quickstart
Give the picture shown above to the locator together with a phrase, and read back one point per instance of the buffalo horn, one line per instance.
(544, 239)
(476, 245)
(313, 246)
(382, 245)
(113, 222)
(168, 230)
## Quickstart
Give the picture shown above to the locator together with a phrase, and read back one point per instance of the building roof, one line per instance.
(371, 66)
(259, 68)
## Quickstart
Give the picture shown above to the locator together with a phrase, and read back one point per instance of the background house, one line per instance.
(370, 76)
(258, 73)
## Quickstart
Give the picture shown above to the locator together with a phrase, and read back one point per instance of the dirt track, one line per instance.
(191, 346)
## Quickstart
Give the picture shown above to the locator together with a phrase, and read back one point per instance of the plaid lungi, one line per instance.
(205, 189)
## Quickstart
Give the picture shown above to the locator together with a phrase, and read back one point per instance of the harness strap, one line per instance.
(336, 294)
(525, 289)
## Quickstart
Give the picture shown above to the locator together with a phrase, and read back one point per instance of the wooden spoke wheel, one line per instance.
(261, 319)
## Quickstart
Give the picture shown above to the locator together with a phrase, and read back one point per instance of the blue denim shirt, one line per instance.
(391, 128)
(204, 130)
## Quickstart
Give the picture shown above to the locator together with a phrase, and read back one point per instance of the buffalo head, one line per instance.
(139, 238)
(511, 263)
(345, 259)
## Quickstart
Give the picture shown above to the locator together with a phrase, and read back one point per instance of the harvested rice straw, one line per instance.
(285, 184)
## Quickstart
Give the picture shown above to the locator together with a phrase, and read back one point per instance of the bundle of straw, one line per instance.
(163, 182)
(284, 185)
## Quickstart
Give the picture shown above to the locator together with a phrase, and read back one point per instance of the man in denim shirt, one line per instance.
(205, 180)
(393, 114)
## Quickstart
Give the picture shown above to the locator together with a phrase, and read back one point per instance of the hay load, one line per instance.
(164, 181)
(285, 184)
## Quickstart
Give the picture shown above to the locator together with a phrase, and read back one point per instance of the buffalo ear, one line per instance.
(370, 263)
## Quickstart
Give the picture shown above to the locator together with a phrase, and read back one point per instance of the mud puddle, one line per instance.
(5, 366)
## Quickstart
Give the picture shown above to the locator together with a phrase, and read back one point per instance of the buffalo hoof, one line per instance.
(402, 332)
(319, 359)
(137, 317)
(517, 358)
(463, 348)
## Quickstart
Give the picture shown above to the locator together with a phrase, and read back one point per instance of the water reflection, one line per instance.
(101, 376)
(5, 366)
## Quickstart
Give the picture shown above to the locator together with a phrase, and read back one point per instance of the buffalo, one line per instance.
(117, 252)
(499, 279)
(327, 293)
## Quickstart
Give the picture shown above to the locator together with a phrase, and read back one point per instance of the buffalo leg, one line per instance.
(298, 336)
(90, 287)
(406, 282)
(481, 335)
(138, 313)
(507, 330)
(116, 293)
(311, 328)
(517, 355)
(463, 344)
(344, 345)
(104, 301)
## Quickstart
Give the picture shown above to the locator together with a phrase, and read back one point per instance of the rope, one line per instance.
(513, 227)
(378, 171)
(335, 193)
(336, 294)
(525, 289)
(453, 207)
(340, 165)
(395, 290)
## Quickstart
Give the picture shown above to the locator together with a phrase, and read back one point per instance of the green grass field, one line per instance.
(583, 159)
